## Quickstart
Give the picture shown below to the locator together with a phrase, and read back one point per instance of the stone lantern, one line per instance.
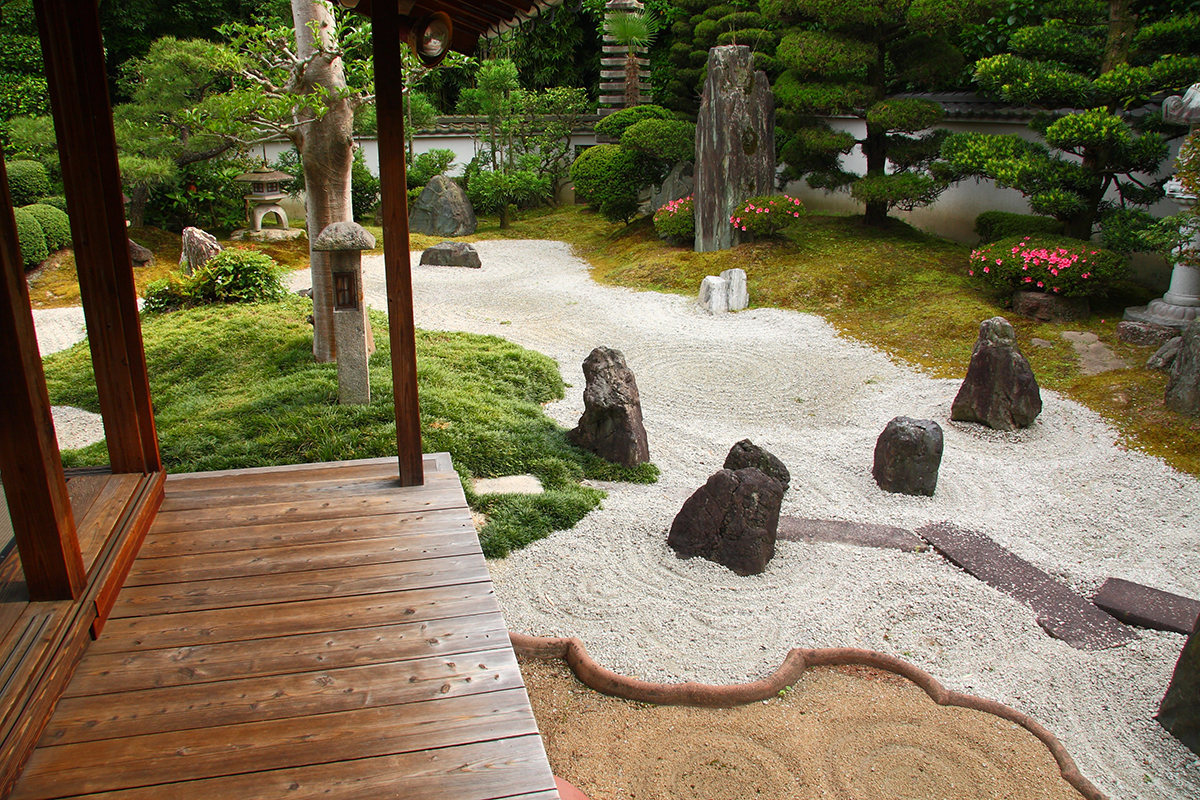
(266, 190)
(345, 241)
(1181, 304)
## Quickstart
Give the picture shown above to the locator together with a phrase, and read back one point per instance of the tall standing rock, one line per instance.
(999, 390)
(1183, 387)
(611, 425)
(442, 210)
(735, 144)
(733, 519)
(196, 248)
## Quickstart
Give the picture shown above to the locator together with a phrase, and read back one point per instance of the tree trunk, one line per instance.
(1079, 226)
(874, 148)
(1122, 25)
(326, 148)
(137, 205)
(633, 74)
(505, 216)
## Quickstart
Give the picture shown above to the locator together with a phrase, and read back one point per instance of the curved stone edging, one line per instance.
(572, 651)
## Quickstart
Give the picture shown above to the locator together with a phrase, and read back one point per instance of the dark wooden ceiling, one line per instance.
(472, 19)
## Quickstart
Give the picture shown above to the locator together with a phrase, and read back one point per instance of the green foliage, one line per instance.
(1053, 264)
(904, 190)
(995, 225)
(426, 165)
(608, 177)
(30, 238)
(631, 30)
(22, 80)
(809, 53)
(766, 216)
(614, 125)
(56, 225)
(56, 200)
(203, 194)
(672, 141)
(364, 188)
(231, 276)
(676, 221)
(28, 181)
(491, 190)
(905, 116)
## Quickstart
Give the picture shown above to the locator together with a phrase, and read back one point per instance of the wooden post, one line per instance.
(386, 30)
(73, 51)
(29, 459)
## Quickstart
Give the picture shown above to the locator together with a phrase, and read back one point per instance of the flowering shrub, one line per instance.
(676, 221)
(767, 215)
(1052, 264)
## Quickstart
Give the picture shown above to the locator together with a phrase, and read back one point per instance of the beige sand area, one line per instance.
(848, 733)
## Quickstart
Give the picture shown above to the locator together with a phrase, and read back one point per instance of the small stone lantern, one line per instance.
(345, 241)
(266, 189)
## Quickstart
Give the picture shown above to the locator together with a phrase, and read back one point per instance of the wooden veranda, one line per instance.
(318, 630)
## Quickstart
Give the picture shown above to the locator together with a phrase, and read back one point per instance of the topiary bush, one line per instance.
(608, 177)
(56, 200)
(994, 225)
(669, 139)
(231, 276)
(766, 216)
(614, 125)
(56, 225)
(676, 221)
(1051, 264)
(30, 238)
(28, 182)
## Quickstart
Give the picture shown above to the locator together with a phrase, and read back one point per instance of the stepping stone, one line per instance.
(1094, 356)
(859, 534)
(509, 484)
(1061, 613)
(1150, 608)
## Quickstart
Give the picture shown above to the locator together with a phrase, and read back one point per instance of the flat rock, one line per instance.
(1094, 356)
(1061, 613)
(1147, 607)
(1050, 307)
(1044, 344)
(859, 534)
(509, 484)
(1143, 334)
(451, 254)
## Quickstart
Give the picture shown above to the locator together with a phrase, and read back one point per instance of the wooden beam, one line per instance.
(73, 51)
(386, 32)
(29, 460)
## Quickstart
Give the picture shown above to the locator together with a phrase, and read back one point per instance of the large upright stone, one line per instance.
(1179, 711)
(999, 390)
(747, 454)
(680, 182)
(714, 295)
(611, 425)
(733, 519)
(1183, 387)
(735, 144)
(739, 295)
(196, 249)
(908, 455)
(442, 210)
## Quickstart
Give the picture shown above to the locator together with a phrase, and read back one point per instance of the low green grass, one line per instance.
(236, 386)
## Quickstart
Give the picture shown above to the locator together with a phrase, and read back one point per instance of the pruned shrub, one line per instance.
(608, 177)
(614, 125)
(425, 166)
(766, 216)
(671, 140)
(676, 221)
(1051, 264)
(231, 276)
(28, 182)
(56, 200)
(994, 225)
(490, 190)
(31, 238)
(55, 225)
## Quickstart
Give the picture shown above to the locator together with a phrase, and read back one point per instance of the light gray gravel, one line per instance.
(58, 329)
(1062, 494)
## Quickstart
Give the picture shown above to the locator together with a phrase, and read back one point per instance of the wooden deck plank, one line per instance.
(323, 691)
(103, 673)
(106, 508)
(466, 772)
(72, 769)
(257, 590)
(336, 485)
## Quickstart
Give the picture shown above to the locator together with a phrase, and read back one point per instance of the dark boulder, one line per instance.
(999, 390)
(1164, 357)
(732, 519)
(1053, 308)
(1143, 334)
(747, 454)
(442, 210)
(140, 256)
(907, 456)
(611, 425)
(451, 254)
(1179, 711)
(1183, 387)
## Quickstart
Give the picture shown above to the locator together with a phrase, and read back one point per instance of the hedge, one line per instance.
(31, 238)
(56, 225)
(28, 182)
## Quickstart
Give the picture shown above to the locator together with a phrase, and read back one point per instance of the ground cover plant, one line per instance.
(236, 386)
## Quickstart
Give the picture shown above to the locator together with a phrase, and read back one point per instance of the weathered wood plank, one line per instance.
(259, 590)
(323, 691)
(464, 772)
(83, 490)
(191, 628)
(72, 769)
(138, 517)
(262, 537)
(97, 525)
(104, 673)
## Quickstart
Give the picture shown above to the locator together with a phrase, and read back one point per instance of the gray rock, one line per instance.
(140, 256)
(611, 425)
(1179, 711)
(452, 254)
(999, 390)
(907, 456)
(747, 454)
(1045, 307)
(714, 295)
(735, 280)
(735, 144)
(442, 210)
(732, 519)
(678, 183)
(1164, 357)
(344, 236)
(1183, 387)
(196, 249)
(1143, 334)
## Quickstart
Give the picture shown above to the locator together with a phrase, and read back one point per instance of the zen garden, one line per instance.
(823, 378)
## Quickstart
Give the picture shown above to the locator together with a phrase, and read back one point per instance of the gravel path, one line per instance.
(1062, 494)
(58, 329)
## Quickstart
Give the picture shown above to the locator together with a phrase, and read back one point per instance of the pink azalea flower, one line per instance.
(1041, 285)
(986, 269)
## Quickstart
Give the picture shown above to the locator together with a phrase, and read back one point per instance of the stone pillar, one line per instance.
(345, 241)
(735, 144)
